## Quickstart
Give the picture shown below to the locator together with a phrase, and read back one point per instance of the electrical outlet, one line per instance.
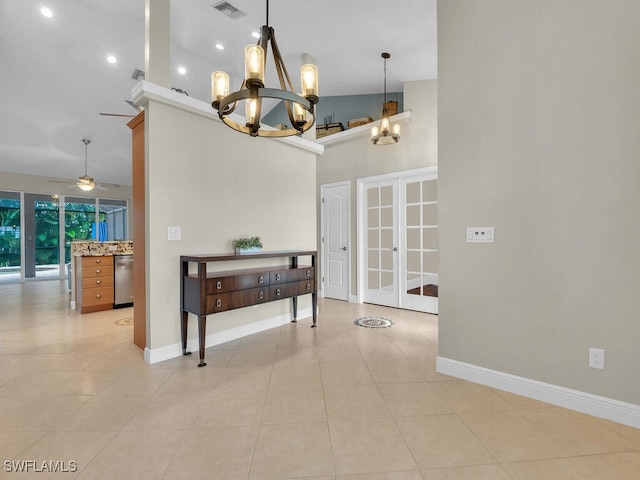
(596, 358)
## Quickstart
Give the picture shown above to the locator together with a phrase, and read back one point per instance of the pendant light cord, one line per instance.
(267, 24)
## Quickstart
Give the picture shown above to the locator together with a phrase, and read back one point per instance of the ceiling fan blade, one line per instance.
(63, 181)
(107, 186)
(137, 107)
(116, 115)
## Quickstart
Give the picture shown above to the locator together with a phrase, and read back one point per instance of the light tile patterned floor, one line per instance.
(339, 402)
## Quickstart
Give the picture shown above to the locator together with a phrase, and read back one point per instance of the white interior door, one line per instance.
(335, 240)
(381, 243)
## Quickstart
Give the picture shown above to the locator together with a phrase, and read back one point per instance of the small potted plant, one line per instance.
(247, 245)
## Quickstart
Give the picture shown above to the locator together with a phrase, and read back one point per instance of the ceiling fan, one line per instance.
(85, 182)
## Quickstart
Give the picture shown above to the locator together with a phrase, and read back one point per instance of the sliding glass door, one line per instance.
(10, 237)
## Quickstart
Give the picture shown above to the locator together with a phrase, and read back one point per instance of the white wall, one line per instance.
(217, 185)
(357, 157)
(538, 121)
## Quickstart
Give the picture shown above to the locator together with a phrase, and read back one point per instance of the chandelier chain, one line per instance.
(385, 80)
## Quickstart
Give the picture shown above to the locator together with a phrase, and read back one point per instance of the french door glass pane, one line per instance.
(421, 234)
(380, 261)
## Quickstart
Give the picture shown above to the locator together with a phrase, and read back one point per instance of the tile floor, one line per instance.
(334, 403)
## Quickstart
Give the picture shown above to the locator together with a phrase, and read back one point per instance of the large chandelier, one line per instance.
(299, 107)
(385, 134)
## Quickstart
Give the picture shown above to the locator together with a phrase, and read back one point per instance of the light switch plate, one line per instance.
(480, 235)
(174, 233)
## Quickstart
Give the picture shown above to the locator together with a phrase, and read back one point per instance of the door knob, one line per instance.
(344, 249)
(395, 249)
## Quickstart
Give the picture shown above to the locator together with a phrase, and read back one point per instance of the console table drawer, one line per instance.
(236, 282)
(291, 289)
(291, 275)
(231, 300)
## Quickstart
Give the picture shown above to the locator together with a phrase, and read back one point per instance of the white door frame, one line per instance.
(323, 188)
(361, 185)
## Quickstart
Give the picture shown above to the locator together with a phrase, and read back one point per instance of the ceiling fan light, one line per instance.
(87, 187)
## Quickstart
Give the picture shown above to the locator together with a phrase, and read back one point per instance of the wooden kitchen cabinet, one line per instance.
(94, 283)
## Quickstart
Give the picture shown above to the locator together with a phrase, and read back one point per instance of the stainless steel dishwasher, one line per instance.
(123, 281)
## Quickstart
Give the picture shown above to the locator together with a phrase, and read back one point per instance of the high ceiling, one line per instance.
(56, 79)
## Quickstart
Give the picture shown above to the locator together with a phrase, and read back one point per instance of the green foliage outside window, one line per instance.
(79, 220)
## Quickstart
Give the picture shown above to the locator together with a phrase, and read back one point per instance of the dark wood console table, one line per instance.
(207, 293)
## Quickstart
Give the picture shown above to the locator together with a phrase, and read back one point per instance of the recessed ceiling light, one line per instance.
(46, 12)
(111, 59)
(219, 46)
(255, 34)
(182, 70)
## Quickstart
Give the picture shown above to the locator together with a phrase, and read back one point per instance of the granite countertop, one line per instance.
(87, 248)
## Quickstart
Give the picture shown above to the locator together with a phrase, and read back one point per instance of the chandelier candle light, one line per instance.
(384, 135)
(300, 108)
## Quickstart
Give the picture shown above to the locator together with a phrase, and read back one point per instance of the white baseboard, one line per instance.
(175, 350)
(602, 407)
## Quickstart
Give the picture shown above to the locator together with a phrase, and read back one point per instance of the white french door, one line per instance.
(335, 240)
(398, 240)
(381, 243)
(419, 278)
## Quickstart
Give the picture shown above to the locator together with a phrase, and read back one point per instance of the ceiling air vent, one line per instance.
(229, 10)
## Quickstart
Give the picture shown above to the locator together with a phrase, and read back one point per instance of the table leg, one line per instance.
(294, 302)
(202, 335)
(183, 332)
(314, 308)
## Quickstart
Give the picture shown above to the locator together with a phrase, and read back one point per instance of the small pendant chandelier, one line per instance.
(300, 108)
(385, 134)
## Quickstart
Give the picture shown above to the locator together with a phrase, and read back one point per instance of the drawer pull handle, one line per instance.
(218, 285)
(260, 295)
(98, 271)
(277, 276)
(98, 282)
(98, 296)
(218, 303)
(277, 291)
(98, 260)
(308, 273)
(308, 286)
(260, 279)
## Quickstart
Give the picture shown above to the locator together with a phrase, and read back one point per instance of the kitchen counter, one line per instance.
(95, 248)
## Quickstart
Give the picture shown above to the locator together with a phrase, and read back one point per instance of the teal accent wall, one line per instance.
(340, 109)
